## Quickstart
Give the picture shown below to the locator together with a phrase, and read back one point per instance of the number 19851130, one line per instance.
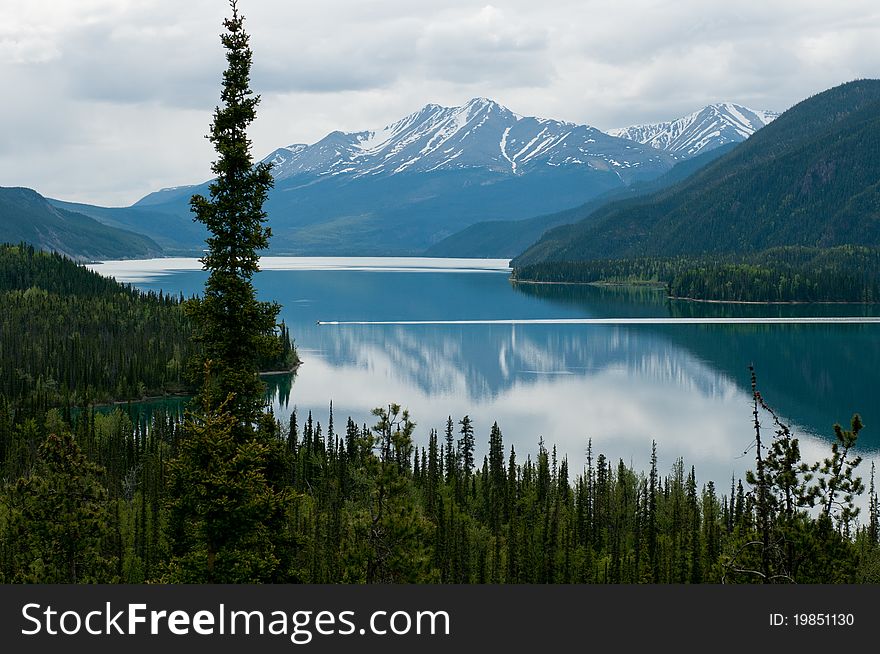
(812, 620)
(823, 619)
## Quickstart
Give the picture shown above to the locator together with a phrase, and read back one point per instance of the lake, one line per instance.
(456, 338)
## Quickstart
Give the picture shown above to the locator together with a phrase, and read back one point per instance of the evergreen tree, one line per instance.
(466, 445)
(873, 512)
(392, 531)
(60, 519)
(451, 463)
(229, 479)
(693, 510)
(497, 482)
(227, 515)
(837, 487)
(652, 516)
(234, 328)
(711, 539)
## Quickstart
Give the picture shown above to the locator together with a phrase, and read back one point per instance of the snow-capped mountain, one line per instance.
(702, 130)
(401, 189)
(479, 134)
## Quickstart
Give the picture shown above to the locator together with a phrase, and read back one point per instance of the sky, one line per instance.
(106, 101)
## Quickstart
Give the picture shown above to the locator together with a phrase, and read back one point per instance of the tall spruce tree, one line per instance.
(235, 329)
(466, 445)
(229, 482)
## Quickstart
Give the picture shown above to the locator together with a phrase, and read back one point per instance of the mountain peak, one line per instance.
(480, 134)
(481, 102)
(707, 128)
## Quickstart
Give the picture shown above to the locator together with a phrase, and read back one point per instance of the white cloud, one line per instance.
(487, 46)
(111, 97)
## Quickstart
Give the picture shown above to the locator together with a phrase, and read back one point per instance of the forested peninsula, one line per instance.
(846, 273)
(70, 336)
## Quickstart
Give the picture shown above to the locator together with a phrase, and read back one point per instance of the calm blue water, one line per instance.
(686, 386)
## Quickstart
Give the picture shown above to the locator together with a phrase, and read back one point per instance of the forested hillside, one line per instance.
(809, 178)
(176, 235)
(68, 334)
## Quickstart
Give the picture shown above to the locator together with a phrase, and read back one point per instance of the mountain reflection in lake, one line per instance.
(685, 386)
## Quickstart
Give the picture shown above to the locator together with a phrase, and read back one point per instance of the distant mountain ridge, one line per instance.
(708, 128)
(711, 129)
(28, 217)
(479, 134)
(175, 236)
(404, 188)
(810, 178)
(400, 189)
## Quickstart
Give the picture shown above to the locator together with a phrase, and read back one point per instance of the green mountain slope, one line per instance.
(26, 216)
(810, 178)
(176, 234)
(507, 238)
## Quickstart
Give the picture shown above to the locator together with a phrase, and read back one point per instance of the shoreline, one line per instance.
(148, 398)
(775, 302)
(656, 285)
(291, 370)
(181, 394)
(660, 286)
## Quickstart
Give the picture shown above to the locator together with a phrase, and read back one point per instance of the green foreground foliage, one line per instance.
(786, 274)
(368, 505)
(66, 331)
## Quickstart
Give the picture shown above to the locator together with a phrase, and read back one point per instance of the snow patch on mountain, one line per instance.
(705, 129)
(478, 134)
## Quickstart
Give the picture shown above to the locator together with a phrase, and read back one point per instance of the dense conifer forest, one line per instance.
(69, 335)
(785, 274)
(93, 500)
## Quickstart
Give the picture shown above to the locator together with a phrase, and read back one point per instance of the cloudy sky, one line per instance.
(108, 100)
